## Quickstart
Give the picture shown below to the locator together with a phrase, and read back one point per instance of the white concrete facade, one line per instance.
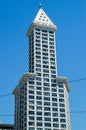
(41, 98)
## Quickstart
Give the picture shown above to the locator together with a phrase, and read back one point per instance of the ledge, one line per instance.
(65, 80)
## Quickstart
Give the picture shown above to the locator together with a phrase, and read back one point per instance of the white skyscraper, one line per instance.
(41, 98)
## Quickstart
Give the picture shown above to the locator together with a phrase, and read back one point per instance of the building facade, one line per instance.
(41, 98)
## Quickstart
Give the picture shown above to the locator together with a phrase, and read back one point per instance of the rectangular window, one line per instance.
(47, 114)
(47, 108)
(39, 118)
(48, 124)
(38, 83)
(38, 113)
(38, 97)
(47, 119)
(31, 97)
(54, 109)
(39, 123)
(39, 93)
(47, 103)
(39, 103)
(39, 108)
(38, 88)
(47, 98)
(31, 112)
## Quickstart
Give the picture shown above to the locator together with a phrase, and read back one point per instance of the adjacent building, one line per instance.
(41, 97)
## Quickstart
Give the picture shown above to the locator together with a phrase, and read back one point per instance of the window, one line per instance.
(31, 123)
(53, 76)
(51, 32)
(37, 29)
(39, 103)
(45, 58)
(39, 93)
(52, 67)
(47, 103)
(54, 104)
(46, 93)
(62, 110)
(47, 98)
(31, 92)
(31, 82)
(31, 107)
(39, 129)
(63, 125)
(31, 87)
(54, 109)
(55, 114)
(31, 112)
(46, 89)
(38, 41)
(54, 90)
(39, 79)
(38, 83)
(45, 46)
(45, 62)
(54, 94)
(38, 113)
(31, 128)
(44, 38)
(47, 108)
(61, 95)
(62, 120)
(46, 79)
(62, 105)
(48, 124)
(38, 74)
(47, 119)
(52, 59)
(38, 57)
(53, 85)
(31, 102)
(39, 108)
(55, 125)
(46, 50)
(45, 75)
(62, 115)
(39, 123)
(54, 99)
(52, 51)
(44, 31)
(61, 90)
(46, 84)
(61, 100)
(39, 118)
(39, 61)
(31, 117)
(45, 66)
(39, 97)
(38, 88)
(37, 69)
(43, 34)
(46, 71)
(47, 113)
(55, 119)
(31, 97)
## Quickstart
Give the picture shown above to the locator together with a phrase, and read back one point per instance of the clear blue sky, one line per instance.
(70, 17)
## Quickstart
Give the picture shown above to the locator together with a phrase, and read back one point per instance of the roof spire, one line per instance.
(40, 6)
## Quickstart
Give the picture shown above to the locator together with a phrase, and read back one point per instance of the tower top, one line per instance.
(42, 21)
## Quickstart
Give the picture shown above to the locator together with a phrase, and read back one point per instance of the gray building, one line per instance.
(41, 97)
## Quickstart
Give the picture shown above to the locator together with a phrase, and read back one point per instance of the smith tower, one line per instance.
(41, 98)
